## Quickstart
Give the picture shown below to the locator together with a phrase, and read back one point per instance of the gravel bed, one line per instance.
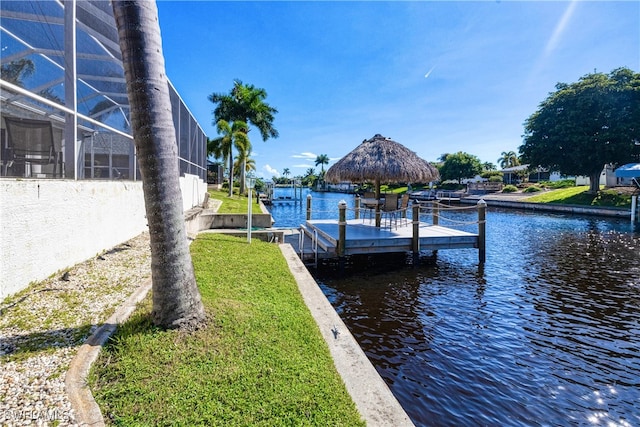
(42, 327)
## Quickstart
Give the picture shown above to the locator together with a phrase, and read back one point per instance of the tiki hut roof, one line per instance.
(380, 159)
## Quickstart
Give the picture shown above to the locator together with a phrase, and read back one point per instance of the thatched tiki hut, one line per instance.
(378, 160)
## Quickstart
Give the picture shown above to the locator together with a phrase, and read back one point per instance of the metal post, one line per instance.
(250, 203)
(71, 144)
(342, 227)
(482, 208)
(342, 234)
(634, 205)
(308, 207)
(434, 213)
(251, 182)
(415, 241)
(357, 208)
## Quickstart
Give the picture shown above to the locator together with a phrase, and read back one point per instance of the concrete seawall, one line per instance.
(548, 207)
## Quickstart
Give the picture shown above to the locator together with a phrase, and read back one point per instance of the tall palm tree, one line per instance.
(244, 163)
(245, 103)
(508, 159)
(286, 172)
(322, 160)
(176, 299)
(488, 166)
(217, 149)
(232, 135)
(310, 172)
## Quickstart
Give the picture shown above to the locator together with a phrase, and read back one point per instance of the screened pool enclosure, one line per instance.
(64, 108)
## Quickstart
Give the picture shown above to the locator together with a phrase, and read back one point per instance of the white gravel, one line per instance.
(42, 328)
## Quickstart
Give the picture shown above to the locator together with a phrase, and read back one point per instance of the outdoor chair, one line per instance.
(369, 210)
(390, 209)
(30, 143)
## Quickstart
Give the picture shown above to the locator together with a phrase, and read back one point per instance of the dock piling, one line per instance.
(308, 207)
(482, 211)
(342, 232)
(434, 213)
(415, 241)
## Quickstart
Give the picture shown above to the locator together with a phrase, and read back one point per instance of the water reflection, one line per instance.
(546, 333)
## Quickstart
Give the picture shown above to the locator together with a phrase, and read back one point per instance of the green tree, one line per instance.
(16, 71)
(245, 103)
(459, 166)
(243, 164)
(584, 125)
(285, 173)
(176, 299)
(508, 159)
(488, 166)
(309, 177)
(322, 160)
(231, 135)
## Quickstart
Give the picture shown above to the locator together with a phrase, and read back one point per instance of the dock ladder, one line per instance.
(314, 244)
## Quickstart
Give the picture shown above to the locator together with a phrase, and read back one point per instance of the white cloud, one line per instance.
(270, 172)
(306, 155)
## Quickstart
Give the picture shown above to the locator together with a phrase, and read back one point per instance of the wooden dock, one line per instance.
(328, 238)
(363, 237)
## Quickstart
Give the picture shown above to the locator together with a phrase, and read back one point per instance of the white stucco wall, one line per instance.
(49, 225)
(193, 189)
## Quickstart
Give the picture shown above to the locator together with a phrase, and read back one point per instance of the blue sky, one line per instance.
(438, 77)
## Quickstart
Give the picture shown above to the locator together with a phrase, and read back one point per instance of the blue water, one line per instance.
(545, 333)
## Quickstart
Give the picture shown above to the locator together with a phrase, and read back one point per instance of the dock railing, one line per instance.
(438, 212)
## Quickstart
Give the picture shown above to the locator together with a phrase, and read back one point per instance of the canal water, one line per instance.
(545, 333)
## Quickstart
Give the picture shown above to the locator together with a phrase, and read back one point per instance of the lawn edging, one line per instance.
(86, 410)
(373, 398)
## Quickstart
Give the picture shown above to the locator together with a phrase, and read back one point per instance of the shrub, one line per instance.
(495, 178)
(491, 174)
(509, 189)
(611, 198)
(565, 183)
(450, 186)
(532, 189)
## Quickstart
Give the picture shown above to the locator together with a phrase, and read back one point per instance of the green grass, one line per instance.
(261, 361)
(234, 204)
(579, 196)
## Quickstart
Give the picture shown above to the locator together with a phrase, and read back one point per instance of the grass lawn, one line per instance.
(234, 204)
(261, 361)
(579, 196)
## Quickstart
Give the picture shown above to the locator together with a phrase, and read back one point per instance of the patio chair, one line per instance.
(390, 209)
(369, 210)
(30, 142)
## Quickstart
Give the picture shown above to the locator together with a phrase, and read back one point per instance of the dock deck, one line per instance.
(363, 237)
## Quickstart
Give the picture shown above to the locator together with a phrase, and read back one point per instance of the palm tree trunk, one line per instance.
(230, 171)
(594, 182)
(243, 177)
(176, 299)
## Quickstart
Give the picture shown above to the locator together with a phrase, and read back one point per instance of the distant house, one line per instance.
(628, 174)
(512, 176)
